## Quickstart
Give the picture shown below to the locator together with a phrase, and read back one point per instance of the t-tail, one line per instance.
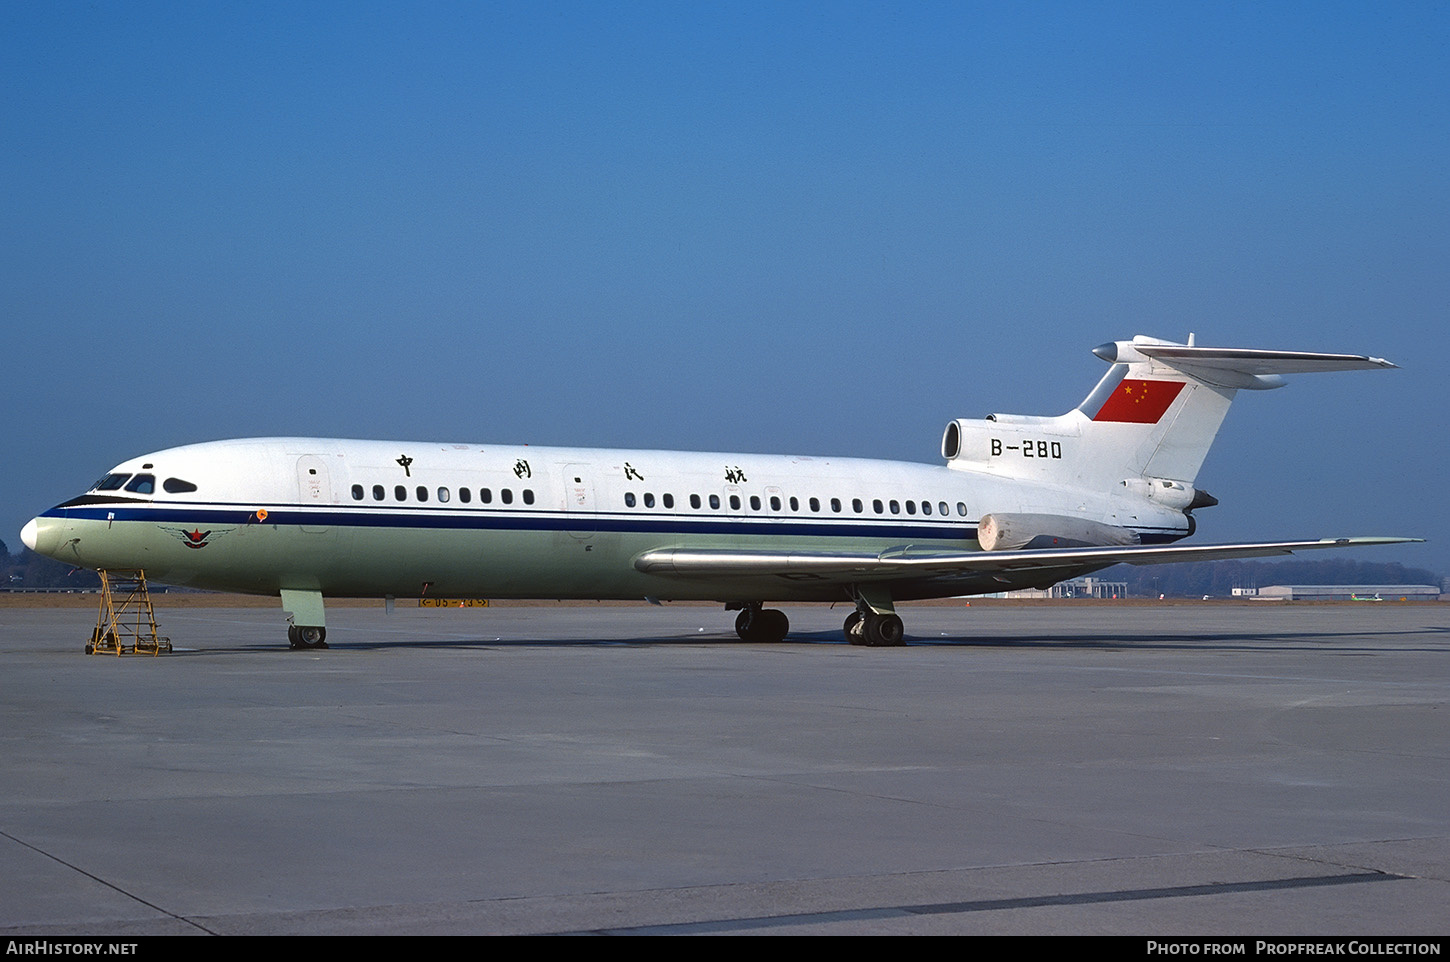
(1142, 434)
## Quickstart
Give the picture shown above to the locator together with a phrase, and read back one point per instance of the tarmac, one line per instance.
(1065, 768)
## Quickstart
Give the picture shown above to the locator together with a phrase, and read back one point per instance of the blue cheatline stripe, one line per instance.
(537, 520)
(476, 519)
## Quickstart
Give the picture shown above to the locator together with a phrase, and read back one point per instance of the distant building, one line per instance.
(1341, 593)
(1077, 588)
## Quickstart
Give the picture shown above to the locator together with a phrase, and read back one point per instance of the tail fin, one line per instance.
(1177, 396)
(1151, 418)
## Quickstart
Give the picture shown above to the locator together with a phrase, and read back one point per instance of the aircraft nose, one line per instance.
(42, 535)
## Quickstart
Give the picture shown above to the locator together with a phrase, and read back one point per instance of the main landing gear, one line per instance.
(875, 622)
(875, 630)
(755, 623)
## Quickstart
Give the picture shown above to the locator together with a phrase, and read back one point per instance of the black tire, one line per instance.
(762, 624)
(853, 630)
(745, 624)
(307, 636)
(772, 625)
(885, 631)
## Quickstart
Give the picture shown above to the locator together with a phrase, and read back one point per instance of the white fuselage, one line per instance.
(375, 518)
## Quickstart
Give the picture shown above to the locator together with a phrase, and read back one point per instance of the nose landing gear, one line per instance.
(306, 606)
(305, 636)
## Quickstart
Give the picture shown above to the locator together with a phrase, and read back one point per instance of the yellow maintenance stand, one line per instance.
(132, 620)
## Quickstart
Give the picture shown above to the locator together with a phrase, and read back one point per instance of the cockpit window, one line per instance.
(111, 482)
(177, 486)
(143, 484)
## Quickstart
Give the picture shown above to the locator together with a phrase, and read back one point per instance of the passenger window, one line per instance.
(485, 495)
(815, 504)
(422, 493)
(774, 503)
(942, 509)
(911, 507)
(378, 492)
(668, 500)
(629, 499)
(649, 500)
(714, 502)
(528, 495)
(735, 502)
(895, 508)
(755, 502)
(962, 508)
(443, 495)
(856, 505)
(877, 505)
(400, 493)
(177, 486)
(506, 495)
(836, 505)
(357, 490)
(143, 484)
(465, 495)
(694, 500)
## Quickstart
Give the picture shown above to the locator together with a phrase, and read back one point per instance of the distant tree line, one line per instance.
(1218, 578)
(30, 570)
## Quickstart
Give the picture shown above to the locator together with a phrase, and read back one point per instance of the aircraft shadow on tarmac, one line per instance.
(1145, 641)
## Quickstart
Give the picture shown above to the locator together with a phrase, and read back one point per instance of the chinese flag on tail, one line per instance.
(1139, 401)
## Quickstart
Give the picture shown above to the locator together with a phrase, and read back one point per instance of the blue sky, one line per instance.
(786, 227)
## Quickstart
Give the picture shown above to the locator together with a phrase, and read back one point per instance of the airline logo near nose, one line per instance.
(195, 538)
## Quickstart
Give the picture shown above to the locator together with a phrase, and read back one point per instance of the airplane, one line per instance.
(1019, 502)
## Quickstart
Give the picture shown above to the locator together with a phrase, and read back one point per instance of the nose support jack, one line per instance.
(130, 626)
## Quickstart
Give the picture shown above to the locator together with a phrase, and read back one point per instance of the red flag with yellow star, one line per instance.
(1139, 401)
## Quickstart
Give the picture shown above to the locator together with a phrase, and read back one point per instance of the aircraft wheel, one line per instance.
(772, 625)
(306, 636)
(853, 629)
(744, 624)
(885, 631)
(762, 624)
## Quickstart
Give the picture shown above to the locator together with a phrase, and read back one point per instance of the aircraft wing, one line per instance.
(908, 562)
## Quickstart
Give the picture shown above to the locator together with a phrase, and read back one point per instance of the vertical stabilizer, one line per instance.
(1159, 408)
(1150, 420)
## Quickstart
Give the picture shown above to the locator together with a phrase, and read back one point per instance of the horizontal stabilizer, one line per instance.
(1249, 361)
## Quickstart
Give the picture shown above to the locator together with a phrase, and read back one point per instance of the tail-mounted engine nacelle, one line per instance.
(1170, 494)
(1013, 439)
(1015, 532)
